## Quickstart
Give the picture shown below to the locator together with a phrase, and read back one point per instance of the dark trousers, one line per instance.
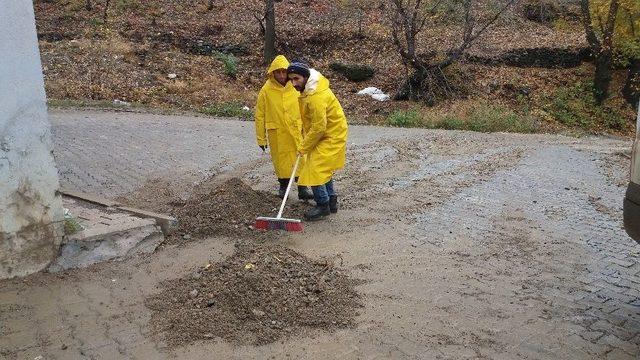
(321, 193)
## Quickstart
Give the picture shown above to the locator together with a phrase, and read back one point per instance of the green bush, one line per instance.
(410, 118)
(575, 106)
(498, 118)
(486, 118)
(355, 72)
(449, 123)
(483, 118)
(230, 63)
(228, 109)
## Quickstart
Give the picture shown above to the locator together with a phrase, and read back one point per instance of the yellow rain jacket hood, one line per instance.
(277, 120)
(325, 132)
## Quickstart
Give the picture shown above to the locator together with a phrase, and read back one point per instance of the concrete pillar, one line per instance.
(31, 212)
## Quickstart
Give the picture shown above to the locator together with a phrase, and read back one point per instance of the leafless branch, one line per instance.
(469, 36)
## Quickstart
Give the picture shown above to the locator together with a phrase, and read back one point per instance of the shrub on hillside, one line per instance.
(354, 72)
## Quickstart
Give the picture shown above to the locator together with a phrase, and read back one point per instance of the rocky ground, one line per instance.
(259, 295)
(451, 245)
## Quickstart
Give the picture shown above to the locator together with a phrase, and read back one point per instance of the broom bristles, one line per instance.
(292, 225)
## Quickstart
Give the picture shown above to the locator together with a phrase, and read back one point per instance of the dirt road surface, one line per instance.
(472, 246)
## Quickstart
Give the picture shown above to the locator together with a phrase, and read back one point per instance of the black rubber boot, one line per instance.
(304, 193)
(283, 187)
(282, 191)
(333, 203)
(318, 212)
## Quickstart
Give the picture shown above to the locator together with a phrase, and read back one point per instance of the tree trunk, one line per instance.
(602, 77)
(270, 32)
(105, 14)
(418, 87)
(631, 90)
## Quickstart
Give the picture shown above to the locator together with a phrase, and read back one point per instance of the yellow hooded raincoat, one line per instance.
(325, 132)
(278, 122)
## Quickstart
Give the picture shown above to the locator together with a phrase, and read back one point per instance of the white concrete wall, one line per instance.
(30, 208)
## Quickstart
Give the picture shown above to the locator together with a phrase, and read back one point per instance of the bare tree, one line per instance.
(260, 19)
(631, 89)
(408, 20)
(270, 31)
(601, 46)
(106, 11)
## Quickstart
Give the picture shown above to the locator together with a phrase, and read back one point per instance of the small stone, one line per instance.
(64, 347)
(196, 275)
(186, 236)
(208, 336)
(273, 322)
(193, 293)
(258, 313)
(210, 303)
(117, 102)
(172, 76)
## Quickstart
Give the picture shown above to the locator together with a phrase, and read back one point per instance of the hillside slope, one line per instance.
(519, 71)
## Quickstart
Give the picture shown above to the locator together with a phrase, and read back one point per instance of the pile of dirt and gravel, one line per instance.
(228, 209)
(258, 295)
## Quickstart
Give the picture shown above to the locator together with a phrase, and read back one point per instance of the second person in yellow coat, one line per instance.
(278, 124)
(325, 137)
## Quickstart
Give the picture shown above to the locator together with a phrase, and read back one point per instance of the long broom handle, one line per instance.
(286, 195)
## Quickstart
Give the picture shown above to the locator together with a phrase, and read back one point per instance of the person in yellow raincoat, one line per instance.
(278, 124)
(325, 137)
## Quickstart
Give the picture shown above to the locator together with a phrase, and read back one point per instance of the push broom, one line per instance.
(278, 222)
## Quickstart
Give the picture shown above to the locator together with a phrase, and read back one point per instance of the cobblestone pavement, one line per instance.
(496, 246)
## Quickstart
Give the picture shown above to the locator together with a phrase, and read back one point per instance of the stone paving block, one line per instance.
(570, 297)
(627, 312)
(608, 283)
(586, 280)
(617, 343)
(591, 288)
(635, 292)
(579, 348)
(609, 328)
(635, 279)
(617, 296)
(605, 314)
(622, 282)
(610, 270)
(592, 336)
(618, 354)
(598, 297)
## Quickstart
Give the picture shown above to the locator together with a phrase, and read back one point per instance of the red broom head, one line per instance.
(293, 227)
(262, 224)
